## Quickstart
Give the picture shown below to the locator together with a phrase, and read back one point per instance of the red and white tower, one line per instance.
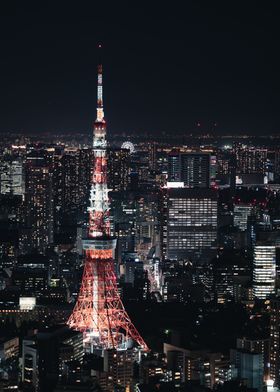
(99, 312)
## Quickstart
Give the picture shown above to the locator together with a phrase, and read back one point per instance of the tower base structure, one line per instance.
(99, 312)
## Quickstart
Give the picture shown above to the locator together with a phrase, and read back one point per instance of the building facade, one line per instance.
(264, 271)
(38, 226)
(192, 168)
(189, 223)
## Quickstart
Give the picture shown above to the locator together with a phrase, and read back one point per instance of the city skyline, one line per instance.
(141, 253)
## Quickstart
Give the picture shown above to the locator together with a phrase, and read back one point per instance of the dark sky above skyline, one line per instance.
(166, 68)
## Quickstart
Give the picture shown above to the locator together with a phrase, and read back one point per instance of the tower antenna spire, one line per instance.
(100, 110)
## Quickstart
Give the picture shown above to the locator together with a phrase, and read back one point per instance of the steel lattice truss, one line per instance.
(99, 308)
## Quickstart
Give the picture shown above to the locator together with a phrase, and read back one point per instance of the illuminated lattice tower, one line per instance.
(99, 312)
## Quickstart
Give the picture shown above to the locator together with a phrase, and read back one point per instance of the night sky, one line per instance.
(165, 67)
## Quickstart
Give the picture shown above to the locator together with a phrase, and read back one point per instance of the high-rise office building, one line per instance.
(11, 178)
(276, 164)
(45, 354)
(195, 169)
(241, 213)
(249, 367)
(259, 346)
(174, 166)
(153, 156)
(38, 231)
(118, 169)
(189, 223)
(223, 279)
(70, 173)
(264, 271)
(118, 367)
(274, 371)
(250, 160)
(30, 373)
(191, 168)
(223, 162)
(75, 166)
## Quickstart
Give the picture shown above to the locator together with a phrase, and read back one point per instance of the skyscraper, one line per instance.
(174, 174)
(71, 171)
(75, 165)
(195, 169)
(189, 223)
(264, 271)
(153, 156)
(250, 367)
(260, 346)
(11, 177)
(250, 160)
(118, 169)
(38, 231)
(118, 368)
(191, 168)
(274, 372)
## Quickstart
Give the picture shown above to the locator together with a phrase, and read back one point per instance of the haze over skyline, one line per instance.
(164, 69)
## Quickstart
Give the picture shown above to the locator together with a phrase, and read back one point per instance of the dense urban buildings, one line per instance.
(264, 271)
(137, 262)
(208, 249)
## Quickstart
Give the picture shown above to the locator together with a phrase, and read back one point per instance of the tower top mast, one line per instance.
(99, 109)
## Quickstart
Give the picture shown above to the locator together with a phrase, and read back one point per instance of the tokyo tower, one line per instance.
(99, 312)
